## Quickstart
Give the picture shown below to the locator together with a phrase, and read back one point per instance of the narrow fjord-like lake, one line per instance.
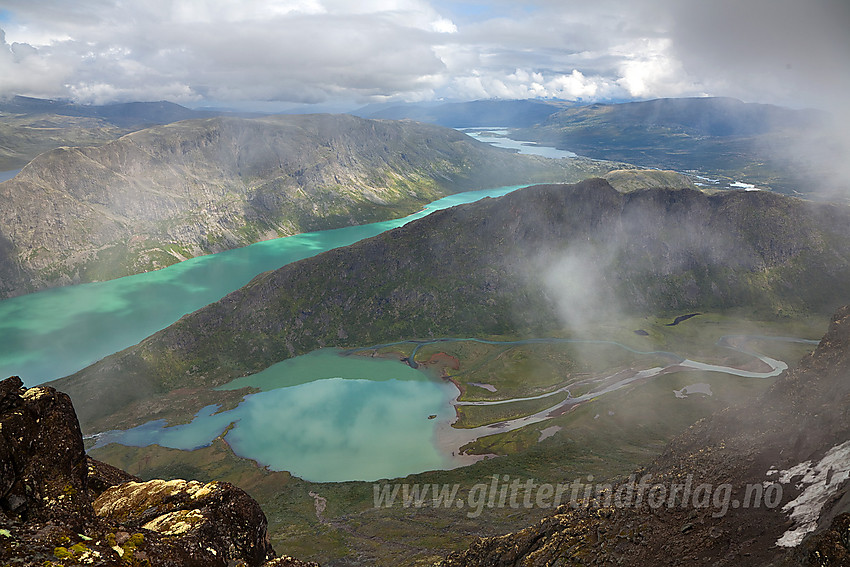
(498, 136)
(54, 333)
(320, 416)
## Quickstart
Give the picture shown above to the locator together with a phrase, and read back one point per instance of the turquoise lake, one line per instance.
(54, 333)
(322, 416)
(309, 420)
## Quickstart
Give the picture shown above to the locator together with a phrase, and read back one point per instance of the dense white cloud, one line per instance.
(647, 67)
(521, 84)
(192, 51)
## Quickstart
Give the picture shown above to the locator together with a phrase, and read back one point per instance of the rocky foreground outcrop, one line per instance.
(59, 507)
(790, 448)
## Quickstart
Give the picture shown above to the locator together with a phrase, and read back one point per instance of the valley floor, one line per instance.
(607, 433)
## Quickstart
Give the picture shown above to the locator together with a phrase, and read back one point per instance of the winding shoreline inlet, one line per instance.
(453, 438)
(329, 416)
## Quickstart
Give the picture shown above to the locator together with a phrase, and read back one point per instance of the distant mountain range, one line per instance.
(506, 113)
(535, 261)
(715, 137)
(720, 138)
(123, 115)
(30, 126)
(703, 116)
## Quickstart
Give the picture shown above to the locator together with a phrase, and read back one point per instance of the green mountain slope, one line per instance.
(160, 195)
(539, 260)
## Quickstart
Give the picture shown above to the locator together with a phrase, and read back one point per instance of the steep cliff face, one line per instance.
(500, 266)
(59, 508)
(154, 197)
(43, 463)
(788, 448)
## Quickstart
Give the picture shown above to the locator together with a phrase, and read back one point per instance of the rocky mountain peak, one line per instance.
(834, 348)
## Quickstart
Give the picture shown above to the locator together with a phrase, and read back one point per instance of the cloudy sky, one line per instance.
(286, 52)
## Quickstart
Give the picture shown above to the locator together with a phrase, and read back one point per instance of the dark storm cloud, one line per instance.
(794, 52)
(781, 51)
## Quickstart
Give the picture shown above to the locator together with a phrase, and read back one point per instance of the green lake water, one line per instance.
(57, 332)
(324, 417)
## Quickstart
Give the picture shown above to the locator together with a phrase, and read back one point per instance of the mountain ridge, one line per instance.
(122, 115)
(163, 194)
(643, 252)
(506, 113)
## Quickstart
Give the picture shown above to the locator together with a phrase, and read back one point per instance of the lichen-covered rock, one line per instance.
(287, 561)
(48, 486)
(217, 520)
(827, 548)
(42, 459)
(102, 476)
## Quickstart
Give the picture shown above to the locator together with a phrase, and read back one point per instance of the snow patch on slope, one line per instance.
(818, 482)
